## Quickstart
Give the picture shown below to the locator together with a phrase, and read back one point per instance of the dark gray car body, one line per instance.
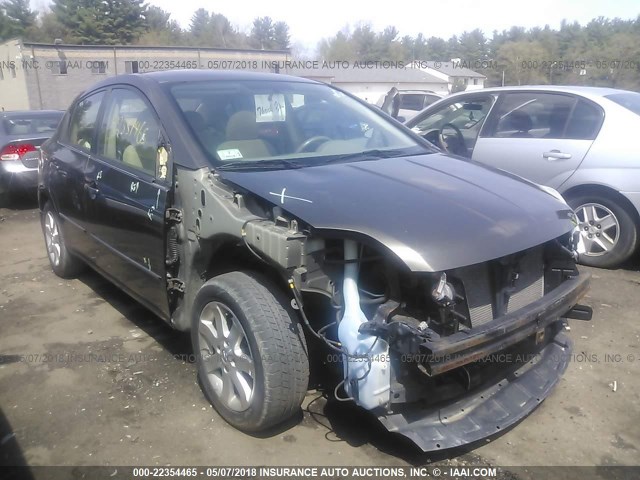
(162, 239)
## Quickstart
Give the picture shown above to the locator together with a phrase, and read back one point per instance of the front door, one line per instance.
(456, 123)
(128, 184)
(541, 136)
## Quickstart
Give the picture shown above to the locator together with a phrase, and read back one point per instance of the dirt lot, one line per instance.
(88, 377)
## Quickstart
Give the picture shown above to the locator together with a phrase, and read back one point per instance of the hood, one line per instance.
(434, 212)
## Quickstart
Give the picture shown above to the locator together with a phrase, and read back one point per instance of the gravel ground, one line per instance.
(88, 377)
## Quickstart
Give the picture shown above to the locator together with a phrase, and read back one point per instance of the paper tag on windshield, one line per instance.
(229, 154)
(270, 108)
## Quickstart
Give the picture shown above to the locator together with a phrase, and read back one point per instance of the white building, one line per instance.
(370, 84)
(454, 72)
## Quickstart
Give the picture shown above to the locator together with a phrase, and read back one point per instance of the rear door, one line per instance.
(127, 183)
(67, 160)
(541, 136)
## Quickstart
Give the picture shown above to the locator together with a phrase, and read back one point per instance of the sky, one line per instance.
(310, 21)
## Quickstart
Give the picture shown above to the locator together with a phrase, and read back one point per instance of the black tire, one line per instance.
(5, 195)
(275, 341)
(5, 199)
(627, 236)
(63, 263)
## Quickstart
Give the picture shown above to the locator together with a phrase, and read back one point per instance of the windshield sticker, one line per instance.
(270, 108)
(229, 154)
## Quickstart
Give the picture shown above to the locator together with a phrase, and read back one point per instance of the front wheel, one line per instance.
(251, 354)
(608, 230)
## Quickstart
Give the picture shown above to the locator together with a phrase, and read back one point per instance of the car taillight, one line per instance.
(16, 152)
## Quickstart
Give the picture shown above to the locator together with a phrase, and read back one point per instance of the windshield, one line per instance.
(286, 124)
(629, 100)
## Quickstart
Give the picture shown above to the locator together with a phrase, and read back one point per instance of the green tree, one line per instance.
(107, 22)
(281, 36)
(199, 25)
(47, 29)
(339, 47)
(262, 32)
(161, 30)
(267, 34)
(5, 27)
(214, 30)
(437, 49)
(472, 46)
(15, 18)
(522, 63)
(125, 21)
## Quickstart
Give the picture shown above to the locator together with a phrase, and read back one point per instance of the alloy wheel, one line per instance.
(599, 228)
(226, 356)
(52, 238)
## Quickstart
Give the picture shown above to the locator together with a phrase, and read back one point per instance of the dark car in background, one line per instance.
(577, 140)
(21, 134)
(296, 230)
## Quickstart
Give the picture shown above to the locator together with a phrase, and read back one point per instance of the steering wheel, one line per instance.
(318, 139)
(457, 146)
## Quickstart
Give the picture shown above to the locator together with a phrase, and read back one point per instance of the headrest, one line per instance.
(242, 126)
(520, 121)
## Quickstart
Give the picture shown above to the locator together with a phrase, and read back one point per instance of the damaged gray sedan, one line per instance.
(295, 230)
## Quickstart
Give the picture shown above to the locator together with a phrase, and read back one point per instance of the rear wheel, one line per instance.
(608, 230)
(251, 353)
(62, 262)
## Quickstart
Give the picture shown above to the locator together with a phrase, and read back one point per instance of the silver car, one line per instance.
(21, 134)
(577, 140)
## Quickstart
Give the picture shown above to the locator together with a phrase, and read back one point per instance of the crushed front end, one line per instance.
(443, 356)
(448, 358)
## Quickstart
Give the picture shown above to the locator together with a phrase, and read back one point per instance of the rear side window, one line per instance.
(82, 127)
(412, 101)
(585, 122)
(629, 100)
(31, 125)
(533, 115)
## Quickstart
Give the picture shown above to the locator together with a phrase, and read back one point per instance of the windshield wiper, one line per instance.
(373, 154)
(273, 164)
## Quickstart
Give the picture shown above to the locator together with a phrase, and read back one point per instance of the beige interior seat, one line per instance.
(130, 157)
(242, 135)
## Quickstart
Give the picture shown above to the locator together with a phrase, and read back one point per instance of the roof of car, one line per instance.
(362, 74)
(591, 92)
(203, 75)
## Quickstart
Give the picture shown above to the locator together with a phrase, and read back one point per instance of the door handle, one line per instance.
(556, 155)
(92, 190)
